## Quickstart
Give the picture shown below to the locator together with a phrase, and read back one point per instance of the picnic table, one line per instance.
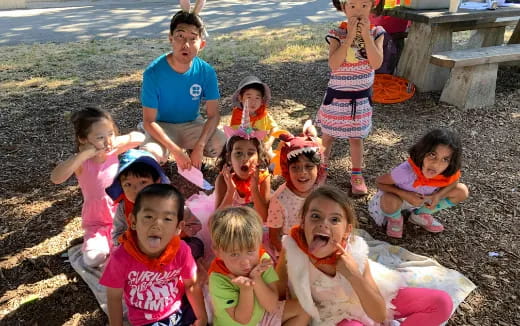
(431, 32)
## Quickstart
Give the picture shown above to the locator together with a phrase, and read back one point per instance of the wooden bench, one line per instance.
(473, 75)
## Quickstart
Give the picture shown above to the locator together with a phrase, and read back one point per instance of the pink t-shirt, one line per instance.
(149, 295)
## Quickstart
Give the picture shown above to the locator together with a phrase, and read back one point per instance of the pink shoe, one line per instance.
(394, 227)
(358, 185)
(427, 221)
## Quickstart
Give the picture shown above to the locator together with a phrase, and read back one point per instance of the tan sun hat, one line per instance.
(250, 80)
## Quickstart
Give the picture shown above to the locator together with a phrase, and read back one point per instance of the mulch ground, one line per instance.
(39, 221)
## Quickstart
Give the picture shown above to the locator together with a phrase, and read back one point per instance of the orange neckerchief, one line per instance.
(344, 25)
(298, 236)
(218, 266)
(437, 181)
(129, 241)
(244, 186)
(129, 207)
(236, 116)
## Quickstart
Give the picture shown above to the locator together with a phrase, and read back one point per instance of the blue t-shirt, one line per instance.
(177, 96)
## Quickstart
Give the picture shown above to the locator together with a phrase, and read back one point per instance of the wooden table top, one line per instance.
(441, 16)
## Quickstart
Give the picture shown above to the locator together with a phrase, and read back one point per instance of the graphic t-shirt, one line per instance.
(177, 96)
(224, 294)
(149, 295)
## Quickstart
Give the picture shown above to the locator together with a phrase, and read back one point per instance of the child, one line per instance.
(189, 230)
(328, 269)
(242, 277)
(243, 179)
(95, 166)
(137, 169)
(256, 94)
(426, 183)
(153, 268)
(299, 162)
(174, 85)
(355, 51)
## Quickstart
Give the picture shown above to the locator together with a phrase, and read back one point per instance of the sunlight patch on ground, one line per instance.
(37, 82)
(32, 292)
(384, 137)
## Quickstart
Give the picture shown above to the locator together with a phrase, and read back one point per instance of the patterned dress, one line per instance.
(342, 118)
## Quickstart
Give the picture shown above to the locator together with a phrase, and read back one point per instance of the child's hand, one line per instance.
(244, 283)
(346, 265)
(415, 199)
(430, 201)
(228, 178)
(264, 265)
(90, 150)
(255, 176)
(364, 26)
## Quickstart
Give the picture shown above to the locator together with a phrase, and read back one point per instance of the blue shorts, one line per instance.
(184, 317)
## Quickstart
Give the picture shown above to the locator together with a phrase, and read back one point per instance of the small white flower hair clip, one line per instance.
(186, 6)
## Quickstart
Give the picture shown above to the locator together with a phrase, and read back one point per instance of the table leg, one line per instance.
(515, 38)
(487, 37)
(414, 65)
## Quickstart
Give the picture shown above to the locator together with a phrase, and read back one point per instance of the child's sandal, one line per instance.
(427, 221)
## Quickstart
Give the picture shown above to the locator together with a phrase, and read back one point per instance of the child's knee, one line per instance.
(463, 191)
(94, 258)
(390, 203)
(443, 304)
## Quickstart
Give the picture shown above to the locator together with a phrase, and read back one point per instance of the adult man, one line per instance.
(173, 86)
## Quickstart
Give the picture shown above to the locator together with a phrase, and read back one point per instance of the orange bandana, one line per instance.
(236, 116)
(244, 186)
(129, 207)
(344, 25)
(218, 266)
(129, 241)
(298, 236)
(437, 181)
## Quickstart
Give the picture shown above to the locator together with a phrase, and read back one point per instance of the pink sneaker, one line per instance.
(427, 221)
(358, 185)
(394, 227)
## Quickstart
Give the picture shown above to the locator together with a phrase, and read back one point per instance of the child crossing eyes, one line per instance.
(152, 269)
(355, 52)
(242, 278)
(424, 184)
(95, 165)
(299, 161)
(243, 178)
(323, 257)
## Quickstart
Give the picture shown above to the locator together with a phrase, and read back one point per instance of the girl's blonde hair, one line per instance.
(336, 195)
(236, 229)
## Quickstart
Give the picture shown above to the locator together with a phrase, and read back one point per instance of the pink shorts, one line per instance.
(273, 318)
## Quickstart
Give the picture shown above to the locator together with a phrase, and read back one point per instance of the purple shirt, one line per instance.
(404, 177)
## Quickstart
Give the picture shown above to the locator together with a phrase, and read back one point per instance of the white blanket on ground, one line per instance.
(419, 271)
(91, 276)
